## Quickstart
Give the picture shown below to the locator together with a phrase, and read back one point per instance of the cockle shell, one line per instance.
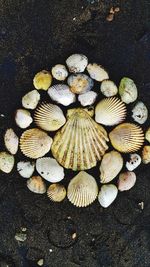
(147, 135)
(126, 181)
(77, 63)
(49, 117)
(80, 83)
(7, 162)
(42, 80)
(36, 185)
(128, 90)
(23, 118)
(59, 72)
(11, 141)
(146, 154)
(87, 99)
(61, 93)
(110, 111)
(56, 192)
(111, 165)
(107, 195)
(31, 99)
(140, 112)
(127, 137)
(25, 168)
(108, 88)
(49, 169)
(80, 143)
(35, 143)
(97, 72)
(82, 190)
(134, 162)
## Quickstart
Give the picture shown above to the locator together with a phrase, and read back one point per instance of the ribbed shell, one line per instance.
(110, 111)
(82, 190)
(56, 192)
(36, 185)
(127, 137)
(80, 143)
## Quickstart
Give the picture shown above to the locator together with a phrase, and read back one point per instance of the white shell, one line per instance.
(61, 94)
(49, 169)
(107, 195)
(23, 118)
(80, 83)
(25, 168)
(36, 185)
(97, 72)
(31, 99)
(77, 63)
(128, 90)
(11, 141)
(6, 162)
(140, 113)
(59, 72)
(134, 162)
(126, 181)
(108, 88)
(147, 135)
(88, 98)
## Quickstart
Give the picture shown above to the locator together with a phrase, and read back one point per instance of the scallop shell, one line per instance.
(61, 93)
(140, 112)
(11, 141)
(147, 135)
(80, 83)
(80, 143)
(35, 143)
(127, 137)
(77, 63)
(107, 195)
(56, 192)
(108, 88)
(31, 99)
(97, 72)
(134, 162)
(42, 80)
(128, 90)
(87, 99)
(110, 166)
(110, 111)
(82, 190)
(23, 118)
(25, 168)
(36, 185)
(7, 162)
(59, 72)
(49, 117)
(126, 181)
(146, 154)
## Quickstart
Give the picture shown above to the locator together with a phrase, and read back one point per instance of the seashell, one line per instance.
(49, 169)
(61, 93)
(134, 162)
(146, 154)
(107, 195)
(42, 80)
(36, 185)
(35, 143)
(7, 162)
(97, 72)
(128, 90)
(25, 168)
(111, 165)
(49, 117)
(140, 113)
(77, 63)
(87, 99)
(59, 72)
(23, 118)
(31, 99)
(56, 192)
(11, 141)
(126, 181)
(110, 111)
(147, 135)
(80, 83)
(108, 88)
(80, 143)
(127, 137)
(82, 190)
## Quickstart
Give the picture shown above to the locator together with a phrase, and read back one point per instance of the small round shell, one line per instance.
(6, 162)
(147, 135)
(56, 192)
(140, 113)
(42, 80)
(97, 72)
(80, 83)
(31, 99)
(11, 141)
(59, 72)
(134, 162)
(61, 94)
(108, 88)
(36, 185)
(25, 168)
(23, 118)
(146, 154)
(77, 63)
(87, 99)
(128, 90)
(107, 195)
(126, 181)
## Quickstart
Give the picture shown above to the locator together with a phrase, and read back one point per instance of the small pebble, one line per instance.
(23, 229)
(110, 17)
(74, 235)
(20, 237)
(141, 205)
(50, 250)
(40, 262)
(117, 9)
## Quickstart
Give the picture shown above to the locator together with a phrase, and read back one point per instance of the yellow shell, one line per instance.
(127, 137)
(82, 190)
(56, 192)
(42, 80)
(36, 185)
(80, 143)
(35, 143)
(146, 154)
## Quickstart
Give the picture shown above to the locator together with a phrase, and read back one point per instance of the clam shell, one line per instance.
(56, 192)
(80, 143)
(36, 185)
(35, 143)
(128, 90)
(110, 111)
(134, 162)
(107, 195)
(147, 135)
(77, 63)
(7, 162)
(11, 141)
(25, 168)
(42, 80)
(126, 181)
(49, 117)
(97, 72)
(146, 154)
(59, 72)
(127, 137)
(87, 99)
(140, 113)
(108, 88)
(31, 99)
(61, 93)
(49, 169)
(80, 83)
(23, 118)
(110, 166)
(82, 190)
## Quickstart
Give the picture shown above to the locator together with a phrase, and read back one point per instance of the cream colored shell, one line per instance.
(11, 141)
(23, 118)
(108, 88)
(36, 185)
(107, 195)
(146, 154)
(7, 162)
(59, 72)
(77, 63)
(126, 181)
(31, 99)
(56, 192)
(97, 72)
(147, 135)
(128, 90)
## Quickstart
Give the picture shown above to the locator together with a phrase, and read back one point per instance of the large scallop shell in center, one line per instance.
(80, 143)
